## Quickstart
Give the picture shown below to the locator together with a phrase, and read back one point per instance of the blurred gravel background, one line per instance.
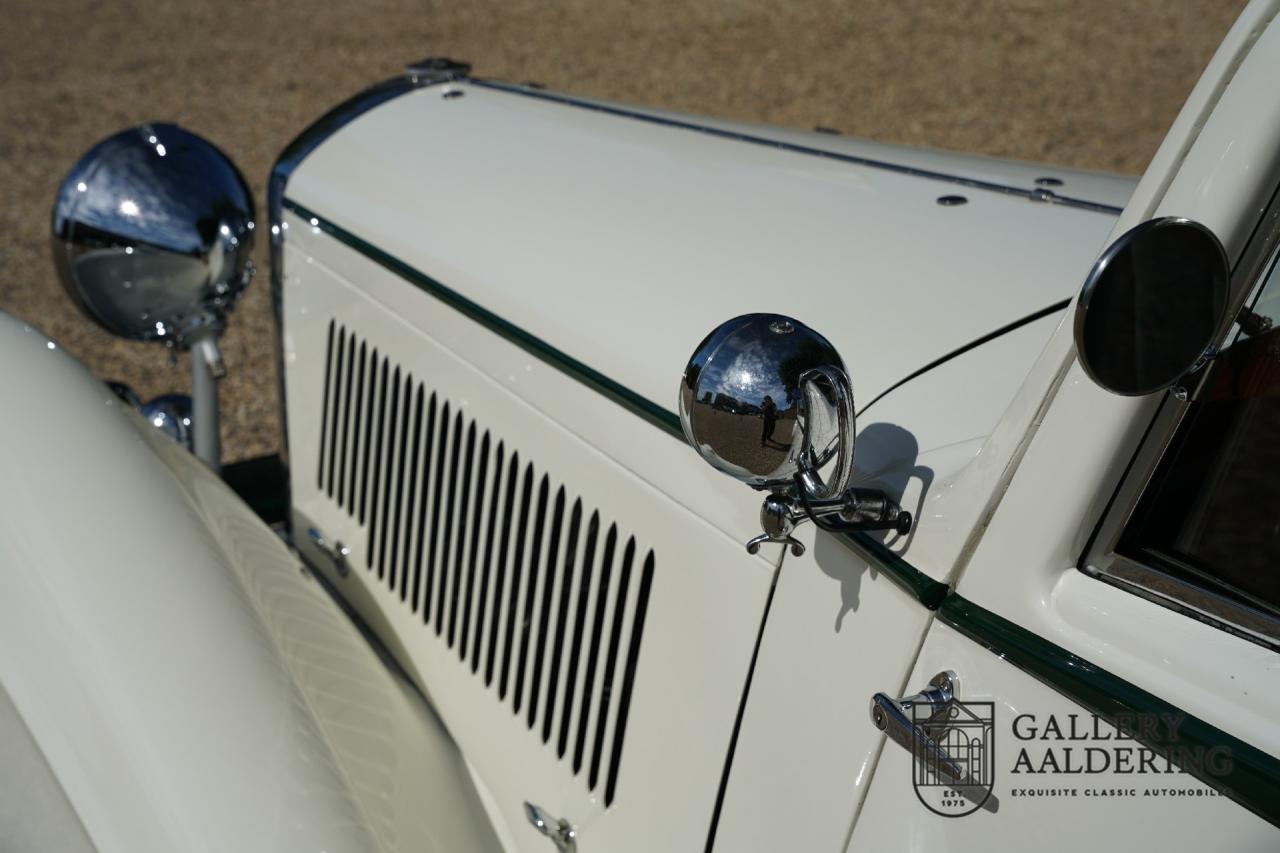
(1088, 84)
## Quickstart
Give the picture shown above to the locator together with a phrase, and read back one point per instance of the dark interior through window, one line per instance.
(1211, 515)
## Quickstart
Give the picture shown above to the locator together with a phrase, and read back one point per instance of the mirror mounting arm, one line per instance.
(856, 509)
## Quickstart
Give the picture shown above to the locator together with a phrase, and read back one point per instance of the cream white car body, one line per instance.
(542, 266)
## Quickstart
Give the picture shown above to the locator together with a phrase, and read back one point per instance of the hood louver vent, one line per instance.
(541, 598)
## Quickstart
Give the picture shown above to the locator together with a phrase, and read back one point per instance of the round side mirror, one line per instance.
(765, 397)
(1152, 306)
(152, 232)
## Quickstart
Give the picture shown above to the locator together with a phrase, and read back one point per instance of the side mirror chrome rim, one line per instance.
(1152, 306)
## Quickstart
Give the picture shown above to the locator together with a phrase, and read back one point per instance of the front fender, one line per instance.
(189, 683)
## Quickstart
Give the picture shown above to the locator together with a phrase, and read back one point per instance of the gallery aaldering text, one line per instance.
(1113, 756)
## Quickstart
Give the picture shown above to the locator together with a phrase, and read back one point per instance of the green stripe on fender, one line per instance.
(594, 379)
(1253, 779)
(916, 583)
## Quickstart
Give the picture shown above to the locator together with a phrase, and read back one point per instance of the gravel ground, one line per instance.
(1087, 84)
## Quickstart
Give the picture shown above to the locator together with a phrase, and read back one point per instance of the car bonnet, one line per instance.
(620, 238)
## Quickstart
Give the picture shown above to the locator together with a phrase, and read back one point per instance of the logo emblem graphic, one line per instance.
(954, 755)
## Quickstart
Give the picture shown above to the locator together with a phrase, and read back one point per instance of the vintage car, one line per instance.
(494, 601)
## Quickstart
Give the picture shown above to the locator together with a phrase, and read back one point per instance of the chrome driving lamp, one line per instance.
(766, 400)
(152, 233)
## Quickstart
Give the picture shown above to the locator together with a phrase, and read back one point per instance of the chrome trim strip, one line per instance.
(1201, 604)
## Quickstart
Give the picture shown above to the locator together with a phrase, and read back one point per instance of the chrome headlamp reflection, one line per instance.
(152, 233)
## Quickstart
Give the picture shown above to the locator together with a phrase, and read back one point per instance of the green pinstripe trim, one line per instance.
(914, 582)
(1254, 779)
(658, 416)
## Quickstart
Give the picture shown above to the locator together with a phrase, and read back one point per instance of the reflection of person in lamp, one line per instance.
(768, 411)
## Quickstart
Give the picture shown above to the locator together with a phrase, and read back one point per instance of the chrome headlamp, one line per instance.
(152, 233)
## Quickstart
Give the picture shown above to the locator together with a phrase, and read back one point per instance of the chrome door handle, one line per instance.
(900, 719)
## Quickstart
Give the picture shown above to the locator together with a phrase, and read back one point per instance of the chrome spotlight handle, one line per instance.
(828, 396)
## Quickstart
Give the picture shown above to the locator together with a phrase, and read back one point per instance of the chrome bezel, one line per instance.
(1099, 271)
(152, 232)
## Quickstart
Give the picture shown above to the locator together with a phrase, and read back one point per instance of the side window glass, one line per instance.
(1211, 514)
(1267, 307)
